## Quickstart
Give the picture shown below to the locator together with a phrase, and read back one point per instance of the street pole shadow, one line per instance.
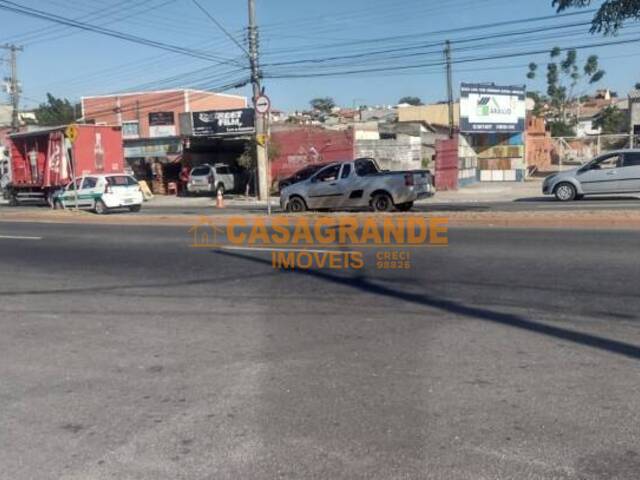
(362, 283)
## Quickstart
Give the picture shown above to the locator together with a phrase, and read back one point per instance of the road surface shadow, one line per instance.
(362, 283)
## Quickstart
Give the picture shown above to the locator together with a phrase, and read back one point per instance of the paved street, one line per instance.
(206, 206)
(126, 354)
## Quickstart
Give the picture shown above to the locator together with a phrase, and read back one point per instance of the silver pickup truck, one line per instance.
(358, 184)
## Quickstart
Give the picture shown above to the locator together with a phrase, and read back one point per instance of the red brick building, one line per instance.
(143, 114)
(151, 126)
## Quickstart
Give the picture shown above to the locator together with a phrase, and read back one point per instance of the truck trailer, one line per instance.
(44, 161)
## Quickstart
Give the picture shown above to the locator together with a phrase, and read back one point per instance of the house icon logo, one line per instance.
(204, 234)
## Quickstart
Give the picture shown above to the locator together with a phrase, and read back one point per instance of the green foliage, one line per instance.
(415, 101)
(610, 15)
(612, 120)
(323, 104)
(637, 86)
(564, 75)
(538, 102)
(561, 129)
(56, 111)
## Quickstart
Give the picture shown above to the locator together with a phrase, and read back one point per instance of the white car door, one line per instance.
(88, 192)
(68, 197)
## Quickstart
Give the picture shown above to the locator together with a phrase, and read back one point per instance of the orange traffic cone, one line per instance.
(219, 200)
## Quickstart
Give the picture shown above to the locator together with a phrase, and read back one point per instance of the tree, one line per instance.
(538, 102)
(611, 120)
(637, 86)
(564, 76)
(415, 101)
(56, 111)
(561, 129)
(323, 104)
(609, 17)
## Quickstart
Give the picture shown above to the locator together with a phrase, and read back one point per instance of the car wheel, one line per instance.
(57, 205)
(405, 207)
(565, 192)
(382, 202)
(101, 208)
(296, 205)
(135, 208)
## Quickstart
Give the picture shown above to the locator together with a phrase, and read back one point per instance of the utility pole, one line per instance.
(261, 151)
(631, 127)
(447, 56)
(14, 85)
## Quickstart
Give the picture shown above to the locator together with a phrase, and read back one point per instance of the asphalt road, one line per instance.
(510, 354)
(526, 204)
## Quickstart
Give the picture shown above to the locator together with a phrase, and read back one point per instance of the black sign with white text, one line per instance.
(223, 122)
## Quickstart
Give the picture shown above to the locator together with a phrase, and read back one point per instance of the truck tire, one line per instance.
(296, 205)
(13, 200)
(404, 207)
(382, 202)
(100, 207)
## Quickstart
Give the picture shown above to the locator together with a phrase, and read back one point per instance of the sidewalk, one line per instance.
(490, 192)
(161, 201)
(486, 192)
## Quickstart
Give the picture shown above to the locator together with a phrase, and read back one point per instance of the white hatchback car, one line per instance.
(101, 193)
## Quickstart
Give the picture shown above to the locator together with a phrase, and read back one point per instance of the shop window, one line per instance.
(130, 129)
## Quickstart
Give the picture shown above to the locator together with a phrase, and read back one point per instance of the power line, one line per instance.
(442, 32)
(440, 63)
(17, 8)
(221, 27)
(423, 45)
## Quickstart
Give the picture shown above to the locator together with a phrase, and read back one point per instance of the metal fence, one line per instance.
(571, 151)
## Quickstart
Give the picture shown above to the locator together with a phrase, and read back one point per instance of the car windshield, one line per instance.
(307, 172)
(336, 239)
(201, 171)
(121, 181)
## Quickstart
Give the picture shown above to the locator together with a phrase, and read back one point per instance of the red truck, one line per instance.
(43, 161)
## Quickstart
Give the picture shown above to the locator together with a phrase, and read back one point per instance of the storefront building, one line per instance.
(153, 141)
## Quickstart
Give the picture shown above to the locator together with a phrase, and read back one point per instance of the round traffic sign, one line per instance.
(263, 105)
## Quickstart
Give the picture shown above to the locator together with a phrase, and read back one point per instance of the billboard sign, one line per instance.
(223, 122)
(492, 108)
(161, 124)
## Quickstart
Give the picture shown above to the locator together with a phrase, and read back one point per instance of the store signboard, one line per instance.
(223, 122)
(162, 124)
(151, 148)
(492, 108)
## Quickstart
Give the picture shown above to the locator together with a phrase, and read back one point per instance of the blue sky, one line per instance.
(74, 63)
